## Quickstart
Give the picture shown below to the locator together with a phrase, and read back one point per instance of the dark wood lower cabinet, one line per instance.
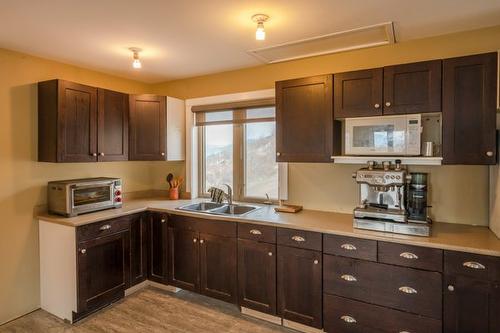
(158, 248)
(471, 305)
(218, 266)
(184, 254)
(300, 286)
(138, 248)
(257, 275)
(103, 271)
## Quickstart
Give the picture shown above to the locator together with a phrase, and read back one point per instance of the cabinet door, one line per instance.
(147, 128)
(112, 132)
(158, 248)
(257, 275)
(469, 109)
(300, 286)
(305, 130)
(103, 270)
(138, 248)
(358, 94)
(412, 88)
(218, 270)
(184, 255)
(77, 123)
(471, 305)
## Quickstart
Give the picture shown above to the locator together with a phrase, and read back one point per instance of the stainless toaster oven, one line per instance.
(77, 196)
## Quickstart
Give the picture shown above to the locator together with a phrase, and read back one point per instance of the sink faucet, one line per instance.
(229, 195)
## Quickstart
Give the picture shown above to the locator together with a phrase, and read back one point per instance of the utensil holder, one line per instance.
(173, 193)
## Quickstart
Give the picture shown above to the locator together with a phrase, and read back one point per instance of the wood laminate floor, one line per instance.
(151, 310)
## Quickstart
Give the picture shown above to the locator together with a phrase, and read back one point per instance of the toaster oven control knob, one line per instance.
(118, 199)
(118, 192)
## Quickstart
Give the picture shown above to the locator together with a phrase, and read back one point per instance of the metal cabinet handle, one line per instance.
(105, 227)
(94, 154)
(377, 106)
(194, 240)
(270, 254)
(83, 251)
(387, 103)
(348, 247)
(473, 265)
(255, 232)
(407, 290)
(489, 153)
(404, 332)
(202, 241)
(101, 154)
(451, 287)
(316, 261)
(162, 220)
(348, 319)
(278, 154)
(408, 255)
(162, 154)
(298, 238)
(348, 278)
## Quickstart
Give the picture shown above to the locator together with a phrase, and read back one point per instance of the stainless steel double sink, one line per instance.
(219, 208)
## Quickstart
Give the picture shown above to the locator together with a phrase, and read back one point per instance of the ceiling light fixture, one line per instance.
(137, 62)
(260, 33)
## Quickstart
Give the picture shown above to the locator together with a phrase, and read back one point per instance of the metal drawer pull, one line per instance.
(298, 239)
(349, 278)
(255, 232)
(316, 261)
(270, 254)
(348, 247)
(162, 220)
(83, 251)
(404, 332)
(202, 241)
(473, 265)
(408, 255)
(407, 290)
(105, 227)
(194, 240)
(348, 319)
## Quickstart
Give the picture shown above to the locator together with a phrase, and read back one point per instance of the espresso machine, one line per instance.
(383, 200)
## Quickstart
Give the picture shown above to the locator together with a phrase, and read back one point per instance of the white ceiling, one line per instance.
(184, 38)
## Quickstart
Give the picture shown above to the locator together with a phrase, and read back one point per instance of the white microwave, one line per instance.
(387, 135)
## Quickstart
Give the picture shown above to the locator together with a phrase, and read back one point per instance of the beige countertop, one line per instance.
(446, 236)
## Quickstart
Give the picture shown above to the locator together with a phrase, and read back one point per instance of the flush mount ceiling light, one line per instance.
(260, 33)
(137, 62)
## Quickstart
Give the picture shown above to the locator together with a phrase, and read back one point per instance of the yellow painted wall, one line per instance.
(23, 180)
(459, 193)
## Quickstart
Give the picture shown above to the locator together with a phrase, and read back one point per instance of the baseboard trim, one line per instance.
(136, 288)
(301, 327)
(262, 316)
(157, 285)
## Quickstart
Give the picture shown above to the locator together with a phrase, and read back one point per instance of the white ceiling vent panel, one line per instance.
(374, 35)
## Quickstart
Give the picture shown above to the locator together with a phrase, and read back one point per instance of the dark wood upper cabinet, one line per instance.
(300, 285)
(67, 122)
(257, 275)
(158, 248)
(305, 130)
(147, 128)
(184, 256)
(103, 271)
(138, 248)
(218, 268)
(469, 109)
(412, 88)
(358, 94)
(112, 129)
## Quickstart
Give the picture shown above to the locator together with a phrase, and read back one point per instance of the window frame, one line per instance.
(238, 166)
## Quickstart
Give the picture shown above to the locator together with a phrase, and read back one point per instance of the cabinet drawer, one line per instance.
(410, 256)
(299, 238)
(213, 227)
(101, 228)
(345, 315)
(350, 247)
(472, 265)
(260, 233)
(406, 289)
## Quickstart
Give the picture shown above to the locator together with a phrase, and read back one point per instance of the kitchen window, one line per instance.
(237, 146)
